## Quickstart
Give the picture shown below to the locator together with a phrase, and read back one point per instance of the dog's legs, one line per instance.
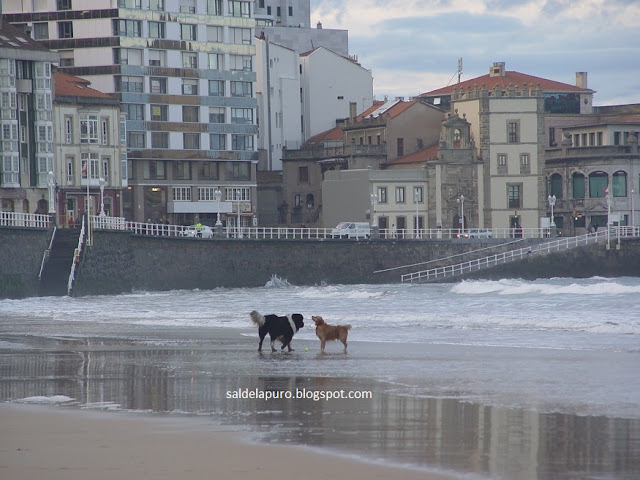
(261, 340)
(322, 343)
(273, 340)
(345, 346)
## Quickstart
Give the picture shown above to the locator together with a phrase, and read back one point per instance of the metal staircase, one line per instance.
(439, 274)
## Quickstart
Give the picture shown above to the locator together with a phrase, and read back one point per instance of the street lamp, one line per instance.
(633, 192)
(52, 190)
(374, 202)
(217, 195)
(238, 192)
(461, 202)
(102, 183)
(416, 198)
(608, 218)
(552, 201)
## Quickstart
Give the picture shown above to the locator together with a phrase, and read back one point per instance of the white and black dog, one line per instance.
(278, 328)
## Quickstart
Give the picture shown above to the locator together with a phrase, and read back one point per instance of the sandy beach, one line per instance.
(58, 443)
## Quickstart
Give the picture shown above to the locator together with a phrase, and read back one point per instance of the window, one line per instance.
(156, 5)
(187, 6)
(502, 160)
(216, 88)
(209, 170)
(187, 31)
(240, 62)
(65, 30)
(552, 136)
(10, 170)
(158, 85)
(598, 181)
(67, 58)
(190, 87)
(69, 169)
(63, 4)
(93, 170)
(217, 141)
(68, 129)
(135, 139)
(127, 83)
(181, 194)
(182, 171)
(191, 141)
(513, 192)
(584, 139)
(524, 159)
(214, 34)
(157, 58)
(513, 131)
(418, 196)
(134, 111)
(382, 194)
(159, 139)
(159, 113)
(239, 9)
(303, 174)
(216, 61)
(127, 56)
(242, 115)
(239, 171)
(260, 3)
(104, 131)
(400, 145)
(40, 31)
(157, 30)
(89, 129)
(241, 89)
(400, 195)
(576, 140)
(216, 114)
(278, 11)
(241, 142)
(619, 184)
(291, 11)
(127, 28)
(240, 35)
(214, 7)
(555, 185)
(190, 114)
(577, 183)
(154, 170)
(137, 4)
(189, 60)
(592, 139)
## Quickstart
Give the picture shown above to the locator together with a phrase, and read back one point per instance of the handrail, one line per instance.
(560, 244)
(76, 258)
(47, 252)
(31, 220)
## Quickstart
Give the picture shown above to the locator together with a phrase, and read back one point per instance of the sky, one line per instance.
(413, 46)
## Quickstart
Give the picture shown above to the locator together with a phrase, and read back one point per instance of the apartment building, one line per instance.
(26, 121)
(90, 148)
(183, 71)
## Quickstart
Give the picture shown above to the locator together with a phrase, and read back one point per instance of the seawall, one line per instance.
(121, 262)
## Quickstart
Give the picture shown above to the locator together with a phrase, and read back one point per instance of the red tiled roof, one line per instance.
(421, 156)
(516, 79)
(392, 111)
(67, 85)
(333, 134)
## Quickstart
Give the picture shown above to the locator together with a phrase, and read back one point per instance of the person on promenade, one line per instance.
(199, 229)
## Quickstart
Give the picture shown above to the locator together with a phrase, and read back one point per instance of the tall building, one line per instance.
(26, 122)
(183, 71)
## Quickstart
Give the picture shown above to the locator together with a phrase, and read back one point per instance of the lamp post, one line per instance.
(461, 202)
(633, 192)
(52, 189)
(217, 195)
(102, 183)
(552, 201)
(416, 198)
(238, 192)
(608, 217)
(374, 202)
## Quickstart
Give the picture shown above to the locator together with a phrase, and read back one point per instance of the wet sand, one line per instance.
(71, 444)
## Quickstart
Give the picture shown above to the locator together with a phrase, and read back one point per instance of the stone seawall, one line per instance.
(122, 262)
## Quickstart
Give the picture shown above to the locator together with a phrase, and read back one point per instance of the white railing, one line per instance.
(32, 220)
(76, 259)
(441, 273)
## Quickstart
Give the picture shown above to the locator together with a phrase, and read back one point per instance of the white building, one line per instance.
(330, 82)
(184, 73)
(279, 108)
(26, 121)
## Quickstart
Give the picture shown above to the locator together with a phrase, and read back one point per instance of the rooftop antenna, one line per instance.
(458, 72)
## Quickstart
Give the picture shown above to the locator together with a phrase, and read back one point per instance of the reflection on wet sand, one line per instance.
(394, 425)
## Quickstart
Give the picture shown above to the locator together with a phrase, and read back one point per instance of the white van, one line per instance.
(351, 230)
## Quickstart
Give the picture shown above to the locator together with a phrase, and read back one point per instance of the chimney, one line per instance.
(581, 80)
(353, 111)
(319, 26)
(497, 70)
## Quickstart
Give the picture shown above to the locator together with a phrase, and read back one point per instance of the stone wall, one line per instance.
(21, 251)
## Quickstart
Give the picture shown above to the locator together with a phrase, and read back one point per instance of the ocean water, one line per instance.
(494, 379)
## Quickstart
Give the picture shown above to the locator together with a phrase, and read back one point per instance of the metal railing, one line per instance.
(31, 220)
(76, 259)
(47, 252)
(560, 244)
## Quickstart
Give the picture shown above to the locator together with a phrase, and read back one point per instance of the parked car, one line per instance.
(351, 230)
(477, 233)
(192, 231)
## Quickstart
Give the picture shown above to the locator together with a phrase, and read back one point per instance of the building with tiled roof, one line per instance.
(91, 158)
(25, 121)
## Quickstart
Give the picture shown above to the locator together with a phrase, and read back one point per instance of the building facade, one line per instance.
(26, 122)
(184, 73)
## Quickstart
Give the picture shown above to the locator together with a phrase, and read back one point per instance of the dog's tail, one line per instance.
(348, 327)
(257, 318)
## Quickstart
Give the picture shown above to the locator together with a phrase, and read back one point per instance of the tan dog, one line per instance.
(326, 332)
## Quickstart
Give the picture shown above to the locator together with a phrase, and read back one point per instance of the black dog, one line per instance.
(278, 328)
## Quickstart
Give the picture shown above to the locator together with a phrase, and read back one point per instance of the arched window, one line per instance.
(310, 201)
(598, 181)
(556, 185)
(578, 185)
(619, 184)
